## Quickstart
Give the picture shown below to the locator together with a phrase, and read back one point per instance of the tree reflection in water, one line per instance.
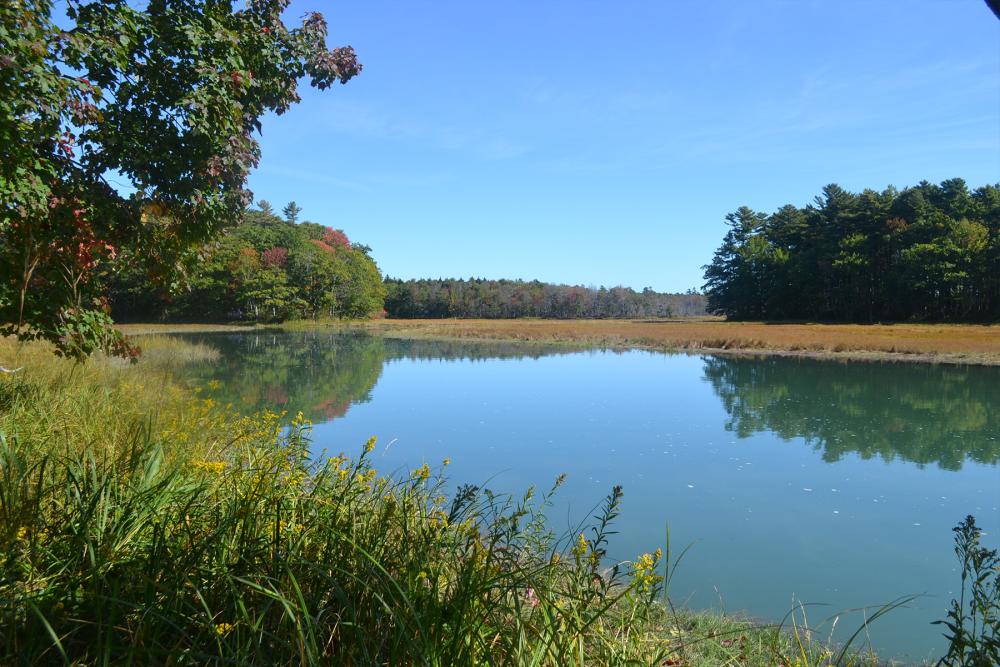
(925, 414)
(914, 412)
(322, 374)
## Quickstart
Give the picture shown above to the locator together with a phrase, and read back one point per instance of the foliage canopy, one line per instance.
(263, 270)
(502, 299)
(127, 137)
(930, 252)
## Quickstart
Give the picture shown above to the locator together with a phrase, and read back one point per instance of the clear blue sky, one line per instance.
(603, 143)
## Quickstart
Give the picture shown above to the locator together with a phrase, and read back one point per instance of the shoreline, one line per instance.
(952, 344)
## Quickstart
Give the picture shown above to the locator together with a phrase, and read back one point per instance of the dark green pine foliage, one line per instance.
(930, 252)
(265, 269)
(506, 299)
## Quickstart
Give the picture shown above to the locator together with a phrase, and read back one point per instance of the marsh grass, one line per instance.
(142, 523)
(171, 351)
(943, 343)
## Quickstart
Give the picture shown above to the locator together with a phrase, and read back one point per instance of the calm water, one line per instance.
(794, 480)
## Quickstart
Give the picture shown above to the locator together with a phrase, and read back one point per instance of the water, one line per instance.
(830, 484)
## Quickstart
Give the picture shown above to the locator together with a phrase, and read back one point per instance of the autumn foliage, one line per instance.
(165, 96)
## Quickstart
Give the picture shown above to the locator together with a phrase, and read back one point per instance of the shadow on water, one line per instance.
(923, 414)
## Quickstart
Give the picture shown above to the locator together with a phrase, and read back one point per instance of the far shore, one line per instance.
(977, 344)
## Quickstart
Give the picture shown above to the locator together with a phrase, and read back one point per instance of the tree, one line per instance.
(736, 277)
(476, 297)
(267, 270)
(291, 212)
(167, 98)
(928, 252)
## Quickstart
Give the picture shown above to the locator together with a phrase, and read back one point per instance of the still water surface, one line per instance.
(831, 484)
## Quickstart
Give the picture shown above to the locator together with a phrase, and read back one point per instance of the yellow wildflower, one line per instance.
(370, 445)
(215, 467)
(580, 548)
(223, 629)
(342, 473)
(422, 473)
(447, 462)
(644, 570)
(22, 533)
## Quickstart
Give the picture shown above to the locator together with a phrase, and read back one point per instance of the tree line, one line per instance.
(929, 252)
(499, 299)
(264, 269)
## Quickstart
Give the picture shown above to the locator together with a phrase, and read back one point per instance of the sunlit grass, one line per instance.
(171, 351)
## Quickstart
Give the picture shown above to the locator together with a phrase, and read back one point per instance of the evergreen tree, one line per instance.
(931, 252)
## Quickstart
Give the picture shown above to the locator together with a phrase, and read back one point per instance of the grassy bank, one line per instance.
(142, 522)
(937, 343)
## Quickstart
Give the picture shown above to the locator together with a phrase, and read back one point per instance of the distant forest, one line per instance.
(270, 268)
(264, 269)
(930, 252)
(504, 299)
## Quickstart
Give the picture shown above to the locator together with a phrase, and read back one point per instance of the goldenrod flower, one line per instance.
(580, 548)
(370, 445)
(644, 570)
(210, 466)
(223, 629)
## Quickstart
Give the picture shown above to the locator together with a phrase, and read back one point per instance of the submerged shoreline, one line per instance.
(968, 344)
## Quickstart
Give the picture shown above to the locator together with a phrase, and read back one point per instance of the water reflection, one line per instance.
(323, 374)
(924, 414)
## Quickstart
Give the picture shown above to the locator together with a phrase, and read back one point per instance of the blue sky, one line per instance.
(604, 143)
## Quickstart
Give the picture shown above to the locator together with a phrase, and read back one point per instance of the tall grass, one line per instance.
(141, 524)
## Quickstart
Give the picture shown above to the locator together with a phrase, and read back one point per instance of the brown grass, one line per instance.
(938, 343)
(945, 343)
(142, 329)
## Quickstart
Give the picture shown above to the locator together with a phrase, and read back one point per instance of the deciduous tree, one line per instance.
(127, 134)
